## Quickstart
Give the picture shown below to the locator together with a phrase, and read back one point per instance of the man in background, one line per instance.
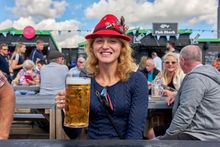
(170, 46)
(7, 105)
(4, 63)
(37, 53)
(53, 75)
(150, 71)
(80, 67)
(196, 111)
(157, 61)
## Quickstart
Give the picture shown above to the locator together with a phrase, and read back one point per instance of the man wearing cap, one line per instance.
(53, 75)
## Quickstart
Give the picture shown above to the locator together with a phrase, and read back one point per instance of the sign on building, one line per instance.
(164, 29)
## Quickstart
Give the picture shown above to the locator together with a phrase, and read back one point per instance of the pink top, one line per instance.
(22, 73)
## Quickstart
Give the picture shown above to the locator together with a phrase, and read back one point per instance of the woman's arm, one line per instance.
(170, 96)
(139, 107)
(16, 80)
(15, 65)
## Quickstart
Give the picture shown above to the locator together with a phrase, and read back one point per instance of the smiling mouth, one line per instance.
(105, 53)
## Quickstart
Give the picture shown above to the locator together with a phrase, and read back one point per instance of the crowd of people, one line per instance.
(189, 86)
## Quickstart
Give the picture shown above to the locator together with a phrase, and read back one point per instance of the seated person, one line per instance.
(216, 64)
(53, 75)
(171, 76)
(80, 66)
(39, 65)
(26, 76)
(142, 64)
(196, 107)
(150, 71)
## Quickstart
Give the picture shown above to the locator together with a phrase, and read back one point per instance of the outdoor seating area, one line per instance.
(110, 73)
(24, 119)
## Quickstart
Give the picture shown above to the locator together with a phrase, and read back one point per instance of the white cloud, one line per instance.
(39, 9)
(64, 39)
(139, 12)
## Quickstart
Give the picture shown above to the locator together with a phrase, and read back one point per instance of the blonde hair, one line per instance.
(27, 63)
(178, 71)
(17, 49)
(142, 63)
(125, 66)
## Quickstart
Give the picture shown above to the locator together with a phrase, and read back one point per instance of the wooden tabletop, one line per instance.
(35, 101)
(109, 143)
(29, 88)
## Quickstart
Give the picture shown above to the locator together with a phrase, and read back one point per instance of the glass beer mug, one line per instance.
(156, 89)
(77, 101)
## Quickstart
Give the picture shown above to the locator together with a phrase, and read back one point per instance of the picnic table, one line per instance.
(108, 143)
(47, 102)
(158, 104)
(43, 102)
(28, 88)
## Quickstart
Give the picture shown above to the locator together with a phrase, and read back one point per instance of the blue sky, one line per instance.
(199, 15)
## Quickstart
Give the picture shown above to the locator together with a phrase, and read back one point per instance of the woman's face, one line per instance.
(170, 64)
(107, 49)
(29, 69)
(23, 49)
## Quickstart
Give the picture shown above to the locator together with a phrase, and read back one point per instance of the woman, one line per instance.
(27, 75)
(17, 58)
(142, 64)
(172, 77)
(112, 68)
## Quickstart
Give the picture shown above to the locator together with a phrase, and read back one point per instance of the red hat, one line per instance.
(109, 25)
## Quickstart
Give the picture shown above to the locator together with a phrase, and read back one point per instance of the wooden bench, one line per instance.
(28, 116)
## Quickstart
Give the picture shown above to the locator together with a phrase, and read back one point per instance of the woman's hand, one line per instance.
(31, 82)
(14, 82)
(170, 100)
(60, 99)
(170, 96)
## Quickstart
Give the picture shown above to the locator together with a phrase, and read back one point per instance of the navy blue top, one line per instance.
(20, 61)
(4, 66)
(36, 54)
(130, 103)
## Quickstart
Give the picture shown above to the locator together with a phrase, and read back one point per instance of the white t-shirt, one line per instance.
(158, 63)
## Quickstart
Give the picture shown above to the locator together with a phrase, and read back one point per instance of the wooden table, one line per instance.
(158, 104)
(43, 102)
(108, 143)
(47, 102)
(29, 88)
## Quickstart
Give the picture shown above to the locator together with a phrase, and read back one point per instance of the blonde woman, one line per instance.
(142, 64)
(172, 77)
(17, 58)
(112, 68)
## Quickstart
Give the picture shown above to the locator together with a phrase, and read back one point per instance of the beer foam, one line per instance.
(77, 80)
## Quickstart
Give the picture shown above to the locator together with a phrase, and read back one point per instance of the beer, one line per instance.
(77, 102)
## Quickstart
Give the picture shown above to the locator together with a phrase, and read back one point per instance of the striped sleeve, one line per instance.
(2, 79)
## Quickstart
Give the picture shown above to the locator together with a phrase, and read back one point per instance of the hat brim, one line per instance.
(108, 33)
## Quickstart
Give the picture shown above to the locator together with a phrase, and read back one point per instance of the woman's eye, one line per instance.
(98, 41)
(113, 41)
